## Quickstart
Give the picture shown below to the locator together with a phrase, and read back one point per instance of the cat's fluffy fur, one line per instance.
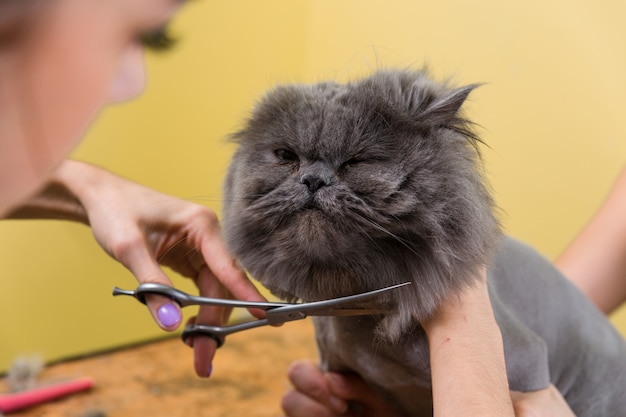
(403, 199)
(336, 189)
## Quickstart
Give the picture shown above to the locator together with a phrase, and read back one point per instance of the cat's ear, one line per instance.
(445, 107)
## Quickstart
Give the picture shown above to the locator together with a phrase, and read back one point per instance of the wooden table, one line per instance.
(157, 378)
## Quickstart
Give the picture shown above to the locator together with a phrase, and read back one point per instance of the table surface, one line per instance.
(157, 378)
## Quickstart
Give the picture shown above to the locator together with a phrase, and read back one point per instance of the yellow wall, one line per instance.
(550, 111)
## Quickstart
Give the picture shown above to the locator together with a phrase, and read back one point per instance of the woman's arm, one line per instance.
(467, 357)
(596, 259)
(144, 229)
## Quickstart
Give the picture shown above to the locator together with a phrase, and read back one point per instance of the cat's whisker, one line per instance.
(385, 230)
(186, 253)
(197, 198)
(276, 225)
(170, 249)
(369, 237)
(220, 198)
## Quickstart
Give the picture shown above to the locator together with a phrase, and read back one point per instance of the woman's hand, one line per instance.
(467, 366)
(319, 394)
(144, 230)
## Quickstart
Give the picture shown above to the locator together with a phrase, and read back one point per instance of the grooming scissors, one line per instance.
(275, 313)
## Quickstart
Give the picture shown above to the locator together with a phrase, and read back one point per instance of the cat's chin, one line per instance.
(314, 235)
(286, 295)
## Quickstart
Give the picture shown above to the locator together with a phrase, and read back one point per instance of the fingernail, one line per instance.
(208, 374)
(338, 405)
(168, 315)
(337, 384)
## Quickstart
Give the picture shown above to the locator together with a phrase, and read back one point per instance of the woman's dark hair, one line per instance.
(16, 16)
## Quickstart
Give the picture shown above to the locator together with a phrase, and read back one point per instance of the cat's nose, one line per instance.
(313, 182)
(316, 174)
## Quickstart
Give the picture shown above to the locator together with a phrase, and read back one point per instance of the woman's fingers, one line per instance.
(331, 394)
(297, 404)
(165, 312)
(204, 347)
(223, 266)
(311, 395)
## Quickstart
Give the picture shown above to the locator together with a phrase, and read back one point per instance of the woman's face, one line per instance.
(78, 56)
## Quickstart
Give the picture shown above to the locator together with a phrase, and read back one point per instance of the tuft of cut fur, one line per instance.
(342, 188)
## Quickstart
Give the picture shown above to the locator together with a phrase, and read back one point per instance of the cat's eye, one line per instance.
(351, 162)
(285, 155)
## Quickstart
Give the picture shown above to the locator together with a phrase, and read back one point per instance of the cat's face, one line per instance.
(337, 189)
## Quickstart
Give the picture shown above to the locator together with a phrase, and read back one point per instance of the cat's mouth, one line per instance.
(311, 203)
(313, 214)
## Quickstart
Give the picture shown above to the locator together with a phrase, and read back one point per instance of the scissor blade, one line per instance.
(347, 312)
(333, 307)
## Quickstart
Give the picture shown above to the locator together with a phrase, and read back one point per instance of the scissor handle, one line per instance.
(183, 299)
(201, 330)
(219, 333)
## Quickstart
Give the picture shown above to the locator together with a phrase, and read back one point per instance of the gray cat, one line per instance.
(337, 189)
